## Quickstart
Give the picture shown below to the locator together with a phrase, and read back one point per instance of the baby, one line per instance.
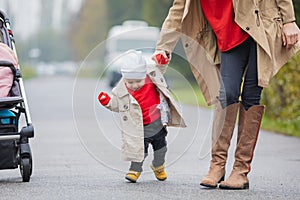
(146, 108)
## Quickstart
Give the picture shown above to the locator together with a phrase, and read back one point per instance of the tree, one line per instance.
(119, 11)
(297, 10)
(155, 11)
(53, 46)
(89, 28)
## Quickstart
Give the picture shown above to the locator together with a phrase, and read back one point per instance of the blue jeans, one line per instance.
(239, 62)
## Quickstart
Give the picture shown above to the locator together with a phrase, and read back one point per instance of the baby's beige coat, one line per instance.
(261, 19)
(131, 115)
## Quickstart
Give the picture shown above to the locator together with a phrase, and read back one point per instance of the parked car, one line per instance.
(132, 34)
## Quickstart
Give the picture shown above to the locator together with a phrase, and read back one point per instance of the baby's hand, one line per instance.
(103, 98)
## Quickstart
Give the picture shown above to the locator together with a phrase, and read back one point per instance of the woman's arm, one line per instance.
(286, 9)
(171, 28)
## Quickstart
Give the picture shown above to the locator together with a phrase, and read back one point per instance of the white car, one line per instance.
(121, 38)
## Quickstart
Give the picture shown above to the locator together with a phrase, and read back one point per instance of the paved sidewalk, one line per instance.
(78, 156)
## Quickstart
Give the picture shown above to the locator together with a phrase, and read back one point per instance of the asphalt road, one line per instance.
(76, 153)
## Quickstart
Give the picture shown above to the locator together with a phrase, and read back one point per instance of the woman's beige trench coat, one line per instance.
(261, 19)
(131, 115)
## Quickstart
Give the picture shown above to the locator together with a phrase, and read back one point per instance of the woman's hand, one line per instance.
(290, 34)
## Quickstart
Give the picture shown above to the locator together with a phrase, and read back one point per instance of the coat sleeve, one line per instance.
(286, 9)
(113, 104)
(171, 27)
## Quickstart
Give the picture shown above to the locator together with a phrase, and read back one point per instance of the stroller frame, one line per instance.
(14, 143)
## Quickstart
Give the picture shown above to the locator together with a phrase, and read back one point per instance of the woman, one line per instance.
(242, 40)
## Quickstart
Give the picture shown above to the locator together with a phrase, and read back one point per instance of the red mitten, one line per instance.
(103, 98)
(161, 59)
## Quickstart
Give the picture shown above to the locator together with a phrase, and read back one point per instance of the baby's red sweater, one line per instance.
(148, 98)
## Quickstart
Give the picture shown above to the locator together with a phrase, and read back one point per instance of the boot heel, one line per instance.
(221, 179)
(246, 186)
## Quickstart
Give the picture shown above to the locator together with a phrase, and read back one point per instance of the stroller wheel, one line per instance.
(25, 169)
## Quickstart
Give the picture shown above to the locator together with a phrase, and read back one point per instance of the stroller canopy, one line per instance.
(7, 54)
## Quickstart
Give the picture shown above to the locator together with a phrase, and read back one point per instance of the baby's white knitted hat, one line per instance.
(133, 65)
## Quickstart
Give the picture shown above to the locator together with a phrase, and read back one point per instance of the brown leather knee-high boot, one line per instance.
(223, 126)
(249, 125)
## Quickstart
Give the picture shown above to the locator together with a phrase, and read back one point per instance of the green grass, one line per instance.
(191, 96)
(90, 70)
(88, 73)
(291, 128)
(28, 72)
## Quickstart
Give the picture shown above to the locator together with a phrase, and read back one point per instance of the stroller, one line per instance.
(14, 142)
